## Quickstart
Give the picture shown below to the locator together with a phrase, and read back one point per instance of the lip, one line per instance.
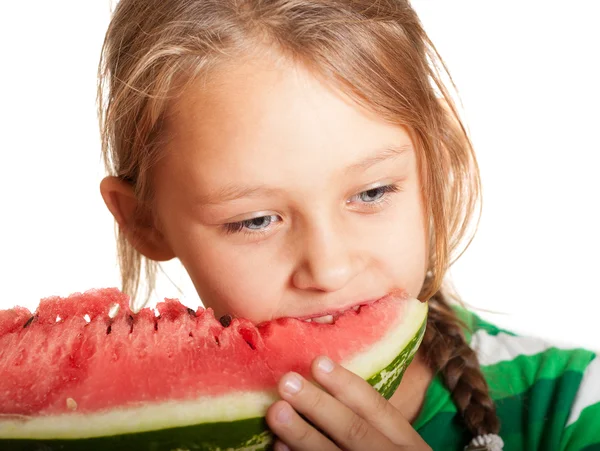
(334, 311)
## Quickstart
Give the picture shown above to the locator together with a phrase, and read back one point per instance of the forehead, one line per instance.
(270, 117)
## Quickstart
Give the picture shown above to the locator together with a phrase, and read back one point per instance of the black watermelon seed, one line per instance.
(191, 312)
(225, 320)
(29, 321)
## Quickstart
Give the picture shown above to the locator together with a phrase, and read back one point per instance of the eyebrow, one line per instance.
(235, 191)
(383, 154)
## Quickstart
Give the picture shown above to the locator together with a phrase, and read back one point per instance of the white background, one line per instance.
(528, 74)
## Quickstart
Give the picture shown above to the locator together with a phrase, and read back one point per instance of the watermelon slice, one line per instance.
(84, 372)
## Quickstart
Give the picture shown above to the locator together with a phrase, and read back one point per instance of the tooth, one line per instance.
(355, 308)
(309, 320)
(326, 319)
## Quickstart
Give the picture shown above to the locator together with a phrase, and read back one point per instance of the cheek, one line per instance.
(408, 263)
(237, 280)
(406, 246)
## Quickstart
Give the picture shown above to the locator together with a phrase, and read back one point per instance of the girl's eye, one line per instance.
(258, 224)
(374, 195)
(374, 198)
(371, 195)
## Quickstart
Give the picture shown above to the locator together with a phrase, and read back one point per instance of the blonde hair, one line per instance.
(376, 51)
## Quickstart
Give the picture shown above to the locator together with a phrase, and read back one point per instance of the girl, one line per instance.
(303, 156)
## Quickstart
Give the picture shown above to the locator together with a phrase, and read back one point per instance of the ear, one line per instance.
(141, 233)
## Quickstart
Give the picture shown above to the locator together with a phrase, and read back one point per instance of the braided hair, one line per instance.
(447, 351)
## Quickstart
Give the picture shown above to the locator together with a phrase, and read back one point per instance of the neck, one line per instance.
(410, 395)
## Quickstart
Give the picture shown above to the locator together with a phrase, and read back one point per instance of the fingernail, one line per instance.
(284, 416)
(292, 383)
(280, 446)
(325, 364)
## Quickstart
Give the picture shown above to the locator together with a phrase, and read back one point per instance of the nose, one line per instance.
(327, 259)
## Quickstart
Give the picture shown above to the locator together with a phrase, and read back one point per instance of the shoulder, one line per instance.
(552, 388)
(494, 345)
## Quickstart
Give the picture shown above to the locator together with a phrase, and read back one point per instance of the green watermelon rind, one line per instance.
(387, 385)
(249, 434)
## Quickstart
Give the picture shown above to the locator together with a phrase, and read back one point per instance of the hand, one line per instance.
(351, 412)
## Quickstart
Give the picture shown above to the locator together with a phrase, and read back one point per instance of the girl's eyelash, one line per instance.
(239, 227)
(234, 227)
(382, 201)
(384, 190)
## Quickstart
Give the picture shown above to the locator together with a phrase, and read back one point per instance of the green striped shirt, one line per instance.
(547, 397)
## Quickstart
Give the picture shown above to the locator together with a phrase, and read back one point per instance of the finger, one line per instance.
(294, 431)
(360, 397)
(280, 446)
(347, 429)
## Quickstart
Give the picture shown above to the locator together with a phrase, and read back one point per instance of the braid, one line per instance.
(446, 350)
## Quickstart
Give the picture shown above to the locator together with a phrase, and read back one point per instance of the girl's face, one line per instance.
(281, 197)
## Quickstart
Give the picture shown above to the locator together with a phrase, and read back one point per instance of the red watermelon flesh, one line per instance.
(12, 320)
(51, 367)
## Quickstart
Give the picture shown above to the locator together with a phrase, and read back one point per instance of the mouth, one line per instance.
(331, 316)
